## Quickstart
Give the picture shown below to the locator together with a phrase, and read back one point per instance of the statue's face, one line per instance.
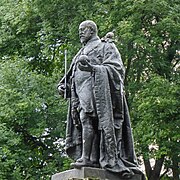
(85, 33)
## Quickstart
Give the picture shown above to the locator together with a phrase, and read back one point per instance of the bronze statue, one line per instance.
(98, 126)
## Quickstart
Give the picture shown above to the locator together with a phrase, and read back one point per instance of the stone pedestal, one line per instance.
(90, 173)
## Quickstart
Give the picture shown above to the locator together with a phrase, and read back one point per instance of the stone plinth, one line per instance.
(87, 172)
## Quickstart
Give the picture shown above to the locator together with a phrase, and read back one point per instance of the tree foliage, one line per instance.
(32, 118)
(156, 124)
(34, 35)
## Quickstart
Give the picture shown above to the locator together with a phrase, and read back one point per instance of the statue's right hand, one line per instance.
(61, 89)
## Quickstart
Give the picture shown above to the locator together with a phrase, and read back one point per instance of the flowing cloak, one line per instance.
(116, 141)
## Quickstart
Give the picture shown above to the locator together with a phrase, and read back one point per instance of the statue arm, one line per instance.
(61, 85)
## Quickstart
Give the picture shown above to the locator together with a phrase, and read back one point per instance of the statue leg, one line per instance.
(88, 134)
(87, 141)
(95, 151)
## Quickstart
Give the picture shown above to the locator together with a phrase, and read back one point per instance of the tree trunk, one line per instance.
(127, 71)
(148, 168)
(154, 173)
(175, 169)
(130, 47)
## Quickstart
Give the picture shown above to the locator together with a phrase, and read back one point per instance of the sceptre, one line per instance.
(65, 67)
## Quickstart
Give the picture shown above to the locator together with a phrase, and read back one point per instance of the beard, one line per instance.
(84, 39)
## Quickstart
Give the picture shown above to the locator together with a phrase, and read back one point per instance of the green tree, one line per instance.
(156, 125)
(38, 31)
(32, 121)
(147, 34)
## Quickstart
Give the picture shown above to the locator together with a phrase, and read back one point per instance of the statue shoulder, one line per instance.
(108, 38)
(109, 41)
(108, 44)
